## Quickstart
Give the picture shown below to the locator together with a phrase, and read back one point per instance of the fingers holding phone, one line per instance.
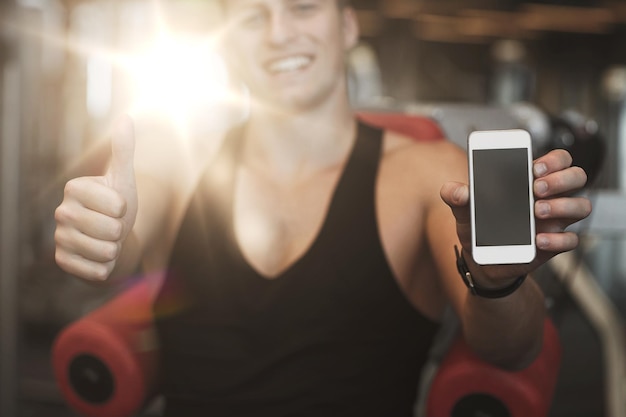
(519, 208)
(555, 175)
(555, 209)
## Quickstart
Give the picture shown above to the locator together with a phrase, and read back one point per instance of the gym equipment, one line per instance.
(106, 364)
(465, 385)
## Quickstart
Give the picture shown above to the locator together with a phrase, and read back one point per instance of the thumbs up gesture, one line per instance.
(97, 213)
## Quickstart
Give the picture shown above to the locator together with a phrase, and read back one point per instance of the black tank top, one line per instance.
(333, 335)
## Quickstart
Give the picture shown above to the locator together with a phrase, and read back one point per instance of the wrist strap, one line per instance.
(461, 266)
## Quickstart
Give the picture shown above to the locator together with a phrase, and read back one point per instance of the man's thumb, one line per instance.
(121, 172)
(455, 194)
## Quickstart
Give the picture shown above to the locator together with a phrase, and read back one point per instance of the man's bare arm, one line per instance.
(507, 331)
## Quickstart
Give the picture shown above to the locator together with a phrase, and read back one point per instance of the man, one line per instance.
(312, 258)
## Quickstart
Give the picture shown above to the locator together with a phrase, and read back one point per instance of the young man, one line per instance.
(307, 265)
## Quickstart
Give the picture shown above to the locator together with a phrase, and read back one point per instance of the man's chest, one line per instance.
(275, 223)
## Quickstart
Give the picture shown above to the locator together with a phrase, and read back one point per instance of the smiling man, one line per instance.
(312, 258)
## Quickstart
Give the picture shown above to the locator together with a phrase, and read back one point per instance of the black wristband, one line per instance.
(461, 266)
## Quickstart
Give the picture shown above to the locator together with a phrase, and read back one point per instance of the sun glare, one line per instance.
(178, 77)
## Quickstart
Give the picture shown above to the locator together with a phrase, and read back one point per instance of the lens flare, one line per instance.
(178, 77)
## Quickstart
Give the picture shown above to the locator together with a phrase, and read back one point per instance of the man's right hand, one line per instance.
(98, 213)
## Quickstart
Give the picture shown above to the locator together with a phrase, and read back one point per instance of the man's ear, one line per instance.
(350, 28)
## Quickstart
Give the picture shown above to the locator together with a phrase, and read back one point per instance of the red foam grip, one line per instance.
(523, 393)
(120, 336)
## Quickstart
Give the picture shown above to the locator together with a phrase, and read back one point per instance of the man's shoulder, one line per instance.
(423, 158)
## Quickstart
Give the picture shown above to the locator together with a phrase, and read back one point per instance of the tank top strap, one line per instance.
(353, 209)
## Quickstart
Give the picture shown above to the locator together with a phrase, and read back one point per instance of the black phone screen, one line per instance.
(501, 197)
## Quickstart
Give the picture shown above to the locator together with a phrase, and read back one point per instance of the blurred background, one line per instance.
(70, 67)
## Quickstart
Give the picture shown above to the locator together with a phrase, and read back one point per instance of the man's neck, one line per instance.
(295, 146)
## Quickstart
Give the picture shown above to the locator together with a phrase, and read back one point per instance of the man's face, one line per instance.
(290, 53)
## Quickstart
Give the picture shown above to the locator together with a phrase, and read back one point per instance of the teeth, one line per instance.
(289, 64)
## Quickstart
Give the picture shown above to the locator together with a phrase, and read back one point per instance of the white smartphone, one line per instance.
(501, 196)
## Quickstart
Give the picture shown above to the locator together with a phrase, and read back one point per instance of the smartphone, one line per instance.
(501, 196)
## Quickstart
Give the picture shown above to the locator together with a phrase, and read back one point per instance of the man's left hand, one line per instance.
(556, 208)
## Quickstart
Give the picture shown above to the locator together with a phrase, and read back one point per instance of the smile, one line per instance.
(290, 64)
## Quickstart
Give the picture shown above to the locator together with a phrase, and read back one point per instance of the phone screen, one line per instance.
(501, 197)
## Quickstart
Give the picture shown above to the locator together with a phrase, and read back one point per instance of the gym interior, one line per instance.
(556, 68)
